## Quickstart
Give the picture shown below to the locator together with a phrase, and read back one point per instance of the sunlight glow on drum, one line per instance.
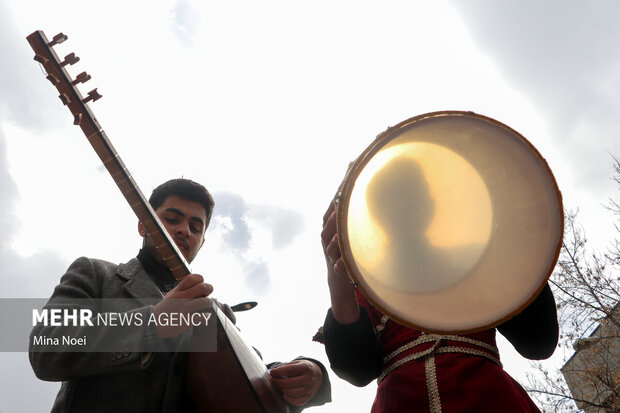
(450, 222)
(446, 216)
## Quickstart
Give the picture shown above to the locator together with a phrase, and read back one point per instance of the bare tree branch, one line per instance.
(587, 290)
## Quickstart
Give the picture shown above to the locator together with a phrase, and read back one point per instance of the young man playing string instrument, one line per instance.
(144, 381)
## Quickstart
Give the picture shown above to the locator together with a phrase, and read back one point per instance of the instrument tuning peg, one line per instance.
(81, 78)
(77, 118)
(59, 38)
(52, 79)
(66, 99)
(41, 59)
(70, 59)
(92, 95)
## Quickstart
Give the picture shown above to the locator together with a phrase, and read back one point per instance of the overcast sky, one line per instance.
(266, 103)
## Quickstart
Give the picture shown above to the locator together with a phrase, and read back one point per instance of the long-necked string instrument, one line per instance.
(233, 379)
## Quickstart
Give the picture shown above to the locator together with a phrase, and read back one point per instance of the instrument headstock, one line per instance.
(71, 97)
(57, 74)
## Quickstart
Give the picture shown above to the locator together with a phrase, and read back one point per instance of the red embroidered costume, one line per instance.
(419, 372)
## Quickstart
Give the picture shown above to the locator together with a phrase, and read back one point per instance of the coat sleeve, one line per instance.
(354, 352)
(534, 332)
(79, 288)
(323, 394)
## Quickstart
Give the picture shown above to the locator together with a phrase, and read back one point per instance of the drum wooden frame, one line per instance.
(450, 222)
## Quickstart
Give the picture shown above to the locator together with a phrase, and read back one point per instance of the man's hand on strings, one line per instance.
(298, 380)
(190, 296)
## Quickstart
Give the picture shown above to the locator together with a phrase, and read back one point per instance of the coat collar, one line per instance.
(139, 285)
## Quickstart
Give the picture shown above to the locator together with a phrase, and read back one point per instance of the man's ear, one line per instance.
(141, 229)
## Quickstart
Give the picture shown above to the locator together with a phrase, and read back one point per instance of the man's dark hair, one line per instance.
(186, 189)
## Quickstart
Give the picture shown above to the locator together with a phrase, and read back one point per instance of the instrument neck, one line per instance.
(158, 271)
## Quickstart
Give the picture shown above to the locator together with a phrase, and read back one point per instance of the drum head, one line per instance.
(450, 222)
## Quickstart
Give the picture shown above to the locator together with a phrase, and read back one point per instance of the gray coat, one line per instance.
(130, 379)
(124, 380)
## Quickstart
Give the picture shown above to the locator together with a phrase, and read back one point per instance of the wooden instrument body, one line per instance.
(234, 362)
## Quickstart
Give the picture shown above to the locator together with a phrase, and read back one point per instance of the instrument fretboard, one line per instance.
(83, 116)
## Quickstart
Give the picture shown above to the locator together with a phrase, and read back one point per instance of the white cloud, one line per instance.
(565, 58)
(271, 100)
(241, 227)
(186, 19)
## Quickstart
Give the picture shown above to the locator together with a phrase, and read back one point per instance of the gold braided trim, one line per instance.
(434, 400)
(437, 349)
(475, 342)
(427, 338)
(470, 351)
(379, 328)
(412, 356)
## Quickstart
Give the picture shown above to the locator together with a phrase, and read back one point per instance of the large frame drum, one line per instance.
(450, 222)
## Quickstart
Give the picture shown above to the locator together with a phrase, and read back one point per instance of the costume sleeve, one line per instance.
(78, 289)
(534, 332)
(353, 350)
(323, 394)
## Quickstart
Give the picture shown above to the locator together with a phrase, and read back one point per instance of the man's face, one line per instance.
(185, 221)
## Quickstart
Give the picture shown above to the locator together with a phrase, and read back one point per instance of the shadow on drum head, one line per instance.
(400, 202)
